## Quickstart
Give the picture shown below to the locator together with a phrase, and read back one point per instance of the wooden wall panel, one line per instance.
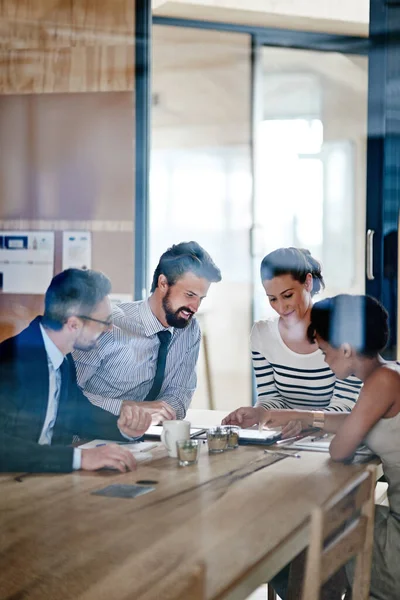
(93, 69)
(70, 158)
(27, 24)
(51, 46)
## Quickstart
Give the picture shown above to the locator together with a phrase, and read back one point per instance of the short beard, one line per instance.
(86, 347)
(172, 317)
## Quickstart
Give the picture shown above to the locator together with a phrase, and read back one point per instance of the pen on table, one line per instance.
(290, 439)
(197, 433)
(98, 445)
(319, 437)
(282, 453)
(300, 436)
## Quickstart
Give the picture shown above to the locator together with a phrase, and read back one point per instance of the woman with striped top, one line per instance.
(290, 370)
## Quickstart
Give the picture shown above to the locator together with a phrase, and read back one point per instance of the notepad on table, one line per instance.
(321, 444)
(265, 437)
(140, 450)
(313, 442)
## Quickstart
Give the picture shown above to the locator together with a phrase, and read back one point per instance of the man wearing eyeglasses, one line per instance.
(149, 357)
(41, 406)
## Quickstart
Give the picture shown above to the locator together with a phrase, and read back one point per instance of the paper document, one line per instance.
(321, 444)
(77, 250)
(313, 442)
(155, 431)
(26, 261)
(134, 447)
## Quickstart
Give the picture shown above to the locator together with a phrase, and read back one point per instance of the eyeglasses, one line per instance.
(107, 324)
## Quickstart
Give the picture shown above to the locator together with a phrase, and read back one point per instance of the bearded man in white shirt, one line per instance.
(149, 357)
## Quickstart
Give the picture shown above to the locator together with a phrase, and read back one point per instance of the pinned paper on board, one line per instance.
(77, 250)
(26, 261)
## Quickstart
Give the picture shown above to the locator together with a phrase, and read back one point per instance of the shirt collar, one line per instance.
(54, 354)
(150, 322)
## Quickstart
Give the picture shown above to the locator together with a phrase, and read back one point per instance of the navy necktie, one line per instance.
(164, 337)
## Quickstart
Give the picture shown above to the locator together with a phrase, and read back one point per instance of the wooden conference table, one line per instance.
(237, 513)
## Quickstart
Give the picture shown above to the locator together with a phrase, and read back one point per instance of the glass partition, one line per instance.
(311, 163)
(200, 189)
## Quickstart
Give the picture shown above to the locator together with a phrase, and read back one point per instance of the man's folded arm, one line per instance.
(18, 454)
(94, 422)
(111, 405)
(90, 421)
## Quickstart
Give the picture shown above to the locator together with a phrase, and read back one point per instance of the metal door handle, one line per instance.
(370, 254)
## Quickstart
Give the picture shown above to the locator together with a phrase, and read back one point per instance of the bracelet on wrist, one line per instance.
(318, 419)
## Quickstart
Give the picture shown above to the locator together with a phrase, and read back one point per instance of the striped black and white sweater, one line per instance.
(286, 379)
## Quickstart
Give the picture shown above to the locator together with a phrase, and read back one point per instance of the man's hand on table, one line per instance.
(159, 410)
(133, 420)
(111, 456)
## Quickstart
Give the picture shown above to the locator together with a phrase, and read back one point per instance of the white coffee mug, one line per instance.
(172, 432)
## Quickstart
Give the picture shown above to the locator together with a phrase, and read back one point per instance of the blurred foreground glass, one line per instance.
(217, 438)
(233, 437)
(188, 452)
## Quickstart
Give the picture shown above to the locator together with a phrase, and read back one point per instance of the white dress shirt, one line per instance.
(55, 359)
(123, 365)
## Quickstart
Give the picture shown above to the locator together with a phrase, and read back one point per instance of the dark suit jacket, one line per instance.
(24, 390)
